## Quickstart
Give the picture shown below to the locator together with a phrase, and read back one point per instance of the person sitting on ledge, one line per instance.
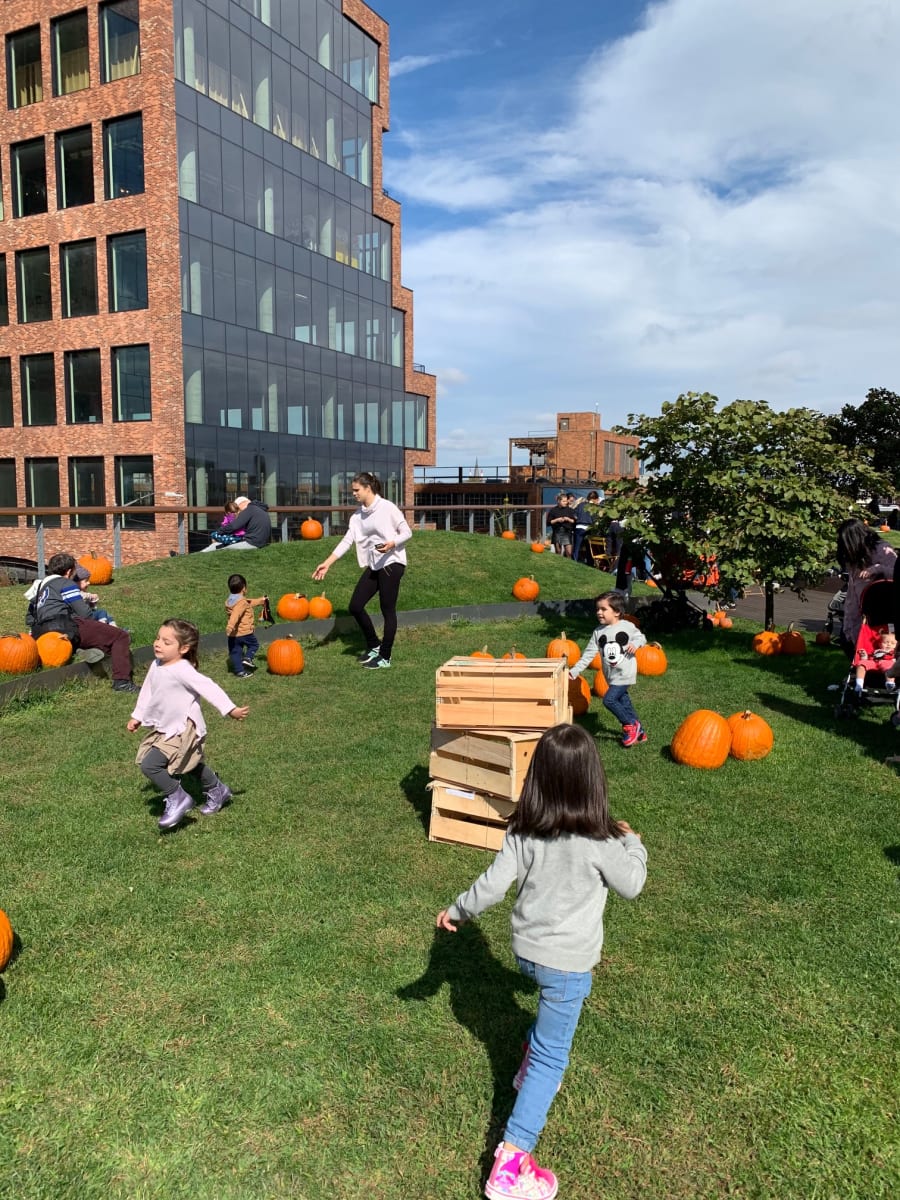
(252, 523)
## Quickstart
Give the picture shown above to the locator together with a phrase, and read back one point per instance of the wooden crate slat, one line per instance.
(516, 694)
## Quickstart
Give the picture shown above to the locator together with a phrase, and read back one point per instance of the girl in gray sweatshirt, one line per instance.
(564, 852)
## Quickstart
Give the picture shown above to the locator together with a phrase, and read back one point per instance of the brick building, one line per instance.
(580, 451)
(200, 290)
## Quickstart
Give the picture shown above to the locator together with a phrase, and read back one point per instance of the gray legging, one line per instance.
(155, 766)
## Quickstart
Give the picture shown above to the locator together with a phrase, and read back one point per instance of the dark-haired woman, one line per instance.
(865, 557)
(380, 532)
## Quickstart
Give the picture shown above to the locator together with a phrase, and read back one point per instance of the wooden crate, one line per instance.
(482, 760)
(478, 693)
(467, 818)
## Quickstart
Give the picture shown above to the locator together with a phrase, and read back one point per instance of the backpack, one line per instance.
(51, 615)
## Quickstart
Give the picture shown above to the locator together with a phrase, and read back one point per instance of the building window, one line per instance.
(33, 285)
(42, 489)
(131, 383)
(134, 486)
(23, 67)
(6, 401)
(87, 490)
(120, 40)
(8, 497)
(38, 389)
(123, 149)
(29, 177)
(71, 71)
(4, 294)
(78, 278)
(84, 401)
(127, 267)
(74, 167)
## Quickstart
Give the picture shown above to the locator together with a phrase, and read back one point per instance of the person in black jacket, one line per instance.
(252, 523)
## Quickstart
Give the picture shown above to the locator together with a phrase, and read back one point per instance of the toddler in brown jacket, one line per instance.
(243, 643)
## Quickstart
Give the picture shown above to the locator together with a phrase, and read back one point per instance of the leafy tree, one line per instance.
(873, 425)
(754, 487)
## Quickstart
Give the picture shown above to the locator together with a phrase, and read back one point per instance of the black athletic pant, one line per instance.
(386, 585)
(155, 766)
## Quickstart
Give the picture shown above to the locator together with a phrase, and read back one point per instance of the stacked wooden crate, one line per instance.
(489, 716)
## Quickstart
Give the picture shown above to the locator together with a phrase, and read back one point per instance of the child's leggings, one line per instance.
(155, 766)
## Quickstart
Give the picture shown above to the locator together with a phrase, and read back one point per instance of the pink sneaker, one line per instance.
(516, 1176)
(632, 734)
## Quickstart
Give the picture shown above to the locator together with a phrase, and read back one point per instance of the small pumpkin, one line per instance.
(320, 608)
(792, 641)
(703, 740)
(630, 617)
(526, 589)
(751, 736)
(767, 642)
(600, 685)
(311, 530)
(563, 647)
(100, 567)
(482, 653)
(54, 649)
(293, 606)
(725, 622)
(718, 616)
(285, 656)
(508, 535)
(579, 695)
(6, 939)
(884, 528)
(538, 547)
(651, 659)
(823, 638)
(512, 653)
(18, 653)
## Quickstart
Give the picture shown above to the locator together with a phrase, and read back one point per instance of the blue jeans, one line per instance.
(240, 648)
(550, 1038)
(619, 704)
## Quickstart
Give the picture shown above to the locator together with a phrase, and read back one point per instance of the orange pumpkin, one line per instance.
(293, 606)
(538, 547)
(884, 528)
(751, 736)
(792, 641)
(482, 653)
(526, 589)
(320, 608)
(823, 638)
(651, 659)
(767, 642)
(725, 622)
(508, 535)
(54, 649)
(562, 647)
(718, 616)
(630, 617)
(512, 653)
(596, 663)
(311, 530)
(18, 653)
(101, 568)
(600, 686)
(285, 656)
(6, 939)
(579, 695)
(702, 740)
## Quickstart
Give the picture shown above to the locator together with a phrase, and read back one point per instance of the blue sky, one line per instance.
(607, 203)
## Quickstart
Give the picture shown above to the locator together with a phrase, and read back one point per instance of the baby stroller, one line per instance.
(877, 605)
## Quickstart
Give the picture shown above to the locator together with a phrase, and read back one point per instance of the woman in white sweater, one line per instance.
(380, 532)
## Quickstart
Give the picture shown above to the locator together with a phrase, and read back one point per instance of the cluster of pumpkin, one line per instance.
(705, 738)
(20, 654)
(284, 656)
(767, 642)
(6, 939)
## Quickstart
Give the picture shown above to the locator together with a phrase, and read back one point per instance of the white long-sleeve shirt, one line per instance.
(170, 697)
(369, 527)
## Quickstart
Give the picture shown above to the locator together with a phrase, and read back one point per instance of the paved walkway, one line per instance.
(809, 614)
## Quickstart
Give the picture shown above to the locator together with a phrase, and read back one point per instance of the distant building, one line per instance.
(580, 451)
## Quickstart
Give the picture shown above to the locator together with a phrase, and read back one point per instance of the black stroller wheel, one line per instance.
(895, 720)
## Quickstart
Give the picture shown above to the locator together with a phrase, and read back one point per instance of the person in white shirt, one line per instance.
(380, 532)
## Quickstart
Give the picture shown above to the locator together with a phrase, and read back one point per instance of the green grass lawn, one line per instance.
(255, 1005)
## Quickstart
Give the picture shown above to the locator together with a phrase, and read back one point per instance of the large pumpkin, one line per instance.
(508, 535)
(18, 653)
(651, 659)
(101, 568)
(702, 740)
(54, 649)
(562, 647)
(311, 530)
(751, 736)
(767, 642)
(285, 656)
(293, 606)
(600, 685)
(6, 939)
(792, 641)
(526, 589)
(320, 608)
(579, 695)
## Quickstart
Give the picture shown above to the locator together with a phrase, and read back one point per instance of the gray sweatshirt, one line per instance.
(561, 889)
(618, 667)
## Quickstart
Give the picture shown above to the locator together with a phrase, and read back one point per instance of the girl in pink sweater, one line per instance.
(168, 707)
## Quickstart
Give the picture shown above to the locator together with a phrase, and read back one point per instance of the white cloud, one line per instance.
(419, 62)
(718, 209)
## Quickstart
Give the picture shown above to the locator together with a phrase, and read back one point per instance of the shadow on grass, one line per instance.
(483, 998)
(866, 734)
(415, 789)
(892, 854)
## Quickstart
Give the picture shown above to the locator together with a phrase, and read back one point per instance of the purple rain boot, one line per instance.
(216, 798)
(178, 805)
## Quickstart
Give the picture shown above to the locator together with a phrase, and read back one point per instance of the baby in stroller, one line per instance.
(883, 658)
(872, 677)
